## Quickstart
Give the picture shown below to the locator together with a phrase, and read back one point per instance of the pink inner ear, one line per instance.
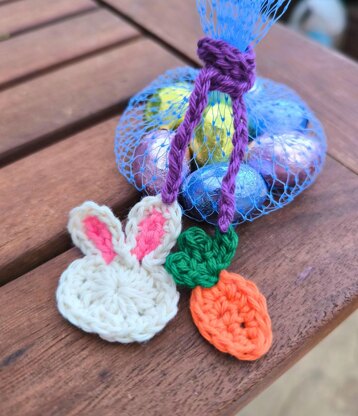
(101, 237)
(150, 234)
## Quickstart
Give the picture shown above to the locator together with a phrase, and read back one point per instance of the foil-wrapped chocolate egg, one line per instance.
(201, 192)
(212, 141)
(276, 116)
(166, 108)
(286, 159)
(150, 161)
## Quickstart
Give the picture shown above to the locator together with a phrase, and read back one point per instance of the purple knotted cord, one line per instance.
(231, 72)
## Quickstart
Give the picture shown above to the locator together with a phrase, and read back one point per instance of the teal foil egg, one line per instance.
(276, 116)
(201, 191)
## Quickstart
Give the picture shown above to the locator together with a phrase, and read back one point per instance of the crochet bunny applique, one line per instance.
(120, 289)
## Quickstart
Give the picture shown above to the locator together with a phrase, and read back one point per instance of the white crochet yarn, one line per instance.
(124, 299)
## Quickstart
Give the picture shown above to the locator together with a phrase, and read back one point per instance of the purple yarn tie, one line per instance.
(231, 72)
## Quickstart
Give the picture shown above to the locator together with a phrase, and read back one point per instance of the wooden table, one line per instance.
(67, 68)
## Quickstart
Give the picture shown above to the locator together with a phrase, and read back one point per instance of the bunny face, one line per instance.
(120, 289)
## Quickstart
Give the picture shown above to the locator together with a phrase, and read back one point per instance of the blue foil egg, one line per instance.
(276, 116)
(201, 192)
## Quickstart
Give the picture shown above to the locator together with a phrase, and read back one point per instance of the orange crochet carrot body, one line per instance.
(232, 315)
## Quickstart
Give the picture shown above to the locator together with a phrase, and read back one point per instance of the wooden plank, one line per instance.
(303, 258)
(22, 15)
(175, 22)
(59, 43)
(47, 107)
(34, 207)
(326, 80)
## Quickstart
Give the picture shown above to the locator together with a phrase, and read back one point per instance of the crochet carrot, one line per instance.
(228, 310)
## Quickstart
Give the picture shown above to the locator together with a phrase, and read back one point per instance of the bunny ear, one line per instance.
(152, 229)
(95, 230)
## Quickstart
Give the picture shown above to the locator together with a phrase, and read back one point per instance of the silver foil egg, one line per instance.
(201, 192)
(286, 159)
(150, 162)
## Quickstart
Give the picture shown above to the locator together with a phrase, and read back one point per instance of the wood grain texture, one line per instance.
(59, 43)
(22, 15)
(38, 192)
(325, 79)
(175, 22)
(40, 110)
(304, 260)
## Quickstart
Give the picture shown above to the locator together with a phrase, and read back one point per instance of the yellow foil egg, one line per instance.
(166, 109)
(212, 141)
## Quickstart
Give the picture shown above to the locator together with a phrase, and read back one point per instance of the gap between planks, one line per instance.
(18, 17)
(71, 61)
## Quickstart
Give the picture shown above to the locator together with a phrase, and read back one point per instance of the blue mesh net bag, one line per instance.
(284, 147)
